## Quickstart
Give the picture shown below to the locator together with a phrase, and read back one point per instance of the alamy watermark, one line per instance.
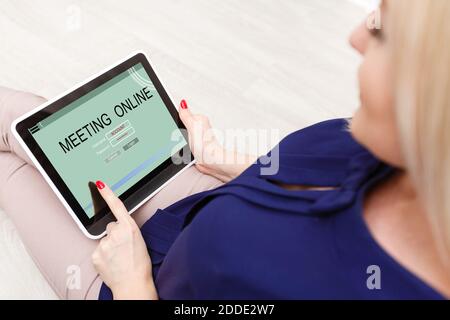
(374, 280)
(206, 145)
(374, 22)
(73, 280)
(74, 18)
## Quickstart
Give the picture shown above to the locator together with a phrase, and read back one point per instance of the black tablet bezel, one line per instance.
(139, 191)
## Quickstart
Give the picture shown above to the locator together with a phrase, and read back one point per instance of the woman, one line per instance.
(360, 213)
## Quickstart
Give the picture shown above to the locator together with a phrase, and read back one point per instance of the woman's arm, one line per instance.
(122, 258)
(211, 157)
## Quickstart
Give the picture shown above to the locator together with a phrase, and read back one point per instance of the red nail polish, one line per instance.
(100, 185)
(183, 104)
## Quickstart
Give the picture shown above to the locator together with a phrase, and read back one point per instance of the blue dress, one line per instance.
(252, 239)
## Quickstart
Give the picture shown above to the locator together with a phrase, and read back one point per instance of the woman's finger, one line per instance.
(117, 207)
(185, 115)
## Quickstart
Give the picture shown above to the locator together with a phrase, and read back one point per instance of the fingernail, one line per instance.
(100, 185)
(183, 104)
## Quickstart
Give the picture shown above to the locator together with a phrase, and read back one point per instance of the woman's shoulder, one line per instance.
(318, 155)
(331, 137)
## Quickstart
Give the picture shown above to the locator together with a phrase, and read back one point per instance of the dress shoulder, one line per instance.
(327, 138)
(318, 155)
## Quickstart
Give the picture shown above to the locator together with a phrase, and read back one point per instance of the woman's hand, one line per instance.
(122, 258)
(211, 157)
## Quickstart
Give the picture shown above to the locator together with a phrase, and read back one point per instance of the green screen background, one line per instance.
(153, 127)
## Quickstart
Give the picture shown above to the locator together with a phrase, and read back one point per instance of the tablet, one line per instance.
(121, 127)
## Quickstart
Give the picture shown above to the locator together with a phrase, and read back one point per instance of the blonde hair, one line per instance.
(418, 35)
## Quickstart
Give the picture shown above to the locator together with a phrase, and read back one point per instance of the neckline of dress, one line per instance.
(383, 172)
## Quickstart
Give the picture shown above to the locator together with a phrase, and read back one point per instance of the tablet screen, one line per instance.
(118, 132)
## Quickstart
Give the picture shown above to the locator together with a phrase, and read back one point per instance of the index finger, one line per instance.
(114, 203)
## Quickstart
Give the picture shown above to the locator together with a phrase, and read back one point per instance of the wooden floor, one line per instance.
(253, 64)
